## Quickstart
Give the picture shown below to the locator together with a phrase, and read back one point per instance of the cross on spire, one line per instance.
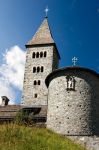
(46, 11)
(74, 60)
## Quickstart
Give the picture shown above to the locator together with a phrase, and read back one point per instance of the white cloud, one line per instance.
(12, 71)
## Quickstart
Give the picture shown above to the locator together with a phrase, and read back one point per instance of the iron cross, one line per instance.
(74, 60)
(46, 11)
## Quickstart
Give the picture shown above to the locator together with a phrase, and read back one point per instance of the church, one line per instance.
(66, 99)
(70, 94)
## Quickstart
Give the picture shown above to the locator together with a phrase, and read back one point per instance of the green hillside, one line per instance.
(15, 137)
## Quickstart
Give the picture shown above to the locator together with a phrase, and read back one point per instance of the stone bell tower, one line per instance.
(42, 58)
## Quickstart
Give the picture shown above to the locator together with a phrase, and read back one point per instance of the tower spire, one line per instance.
(42, 57)
(43, 34)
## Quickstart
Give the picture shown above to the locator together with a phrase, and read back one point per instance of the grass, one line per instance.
(15, 137)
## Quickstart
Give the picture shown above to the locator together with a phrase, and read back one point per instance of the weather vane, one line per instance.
(74, 60)
(46, 11)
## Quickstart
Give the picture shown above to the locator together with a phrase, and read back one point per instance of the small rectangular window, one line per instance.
(34, 69)
(39, 82)
(45, 54)
(35, 95)
(42, 68)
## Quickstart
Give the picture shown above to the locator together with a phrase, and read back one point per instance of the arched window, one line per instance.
(70, 83)
(38, 69)
(45, 54)
(37, 55)
(35, 82)
(42, 69)
(34, 69)
(33, 55)
(41, 54)
(39, 82)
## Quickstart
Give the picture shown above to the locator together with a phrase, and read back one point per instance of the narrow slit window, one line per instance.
(33, 55)
(35, 95)
(42, 69)
(38, 69)
(41, 54)
(35, 82)
(37, 55)
(34, 69)
(39, 82)
(45, 54)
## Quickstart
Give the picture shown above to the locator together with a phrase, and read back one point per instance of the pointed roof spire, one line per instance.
(43, 35)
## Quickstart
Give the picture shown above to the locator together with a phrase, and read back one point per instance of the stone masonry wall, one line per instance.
(29, 89)
(55, 60)
(74, 112)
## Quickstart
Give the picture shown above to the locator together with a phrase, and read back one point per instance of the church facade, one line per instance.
(70, 94)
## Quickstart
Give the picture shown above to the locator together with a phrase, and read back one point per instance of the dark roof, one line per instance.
(10, 108)
(75, 68)
(10, 111)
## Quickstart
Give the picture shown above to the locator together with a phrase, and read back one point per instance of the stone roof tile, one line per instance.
(42, 36)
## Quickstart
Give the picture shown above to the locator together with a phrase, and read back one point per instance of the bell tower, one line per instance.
(42, 58)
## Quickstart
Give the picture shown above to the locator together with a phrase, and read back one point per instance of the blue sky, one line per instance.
(74, 25)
